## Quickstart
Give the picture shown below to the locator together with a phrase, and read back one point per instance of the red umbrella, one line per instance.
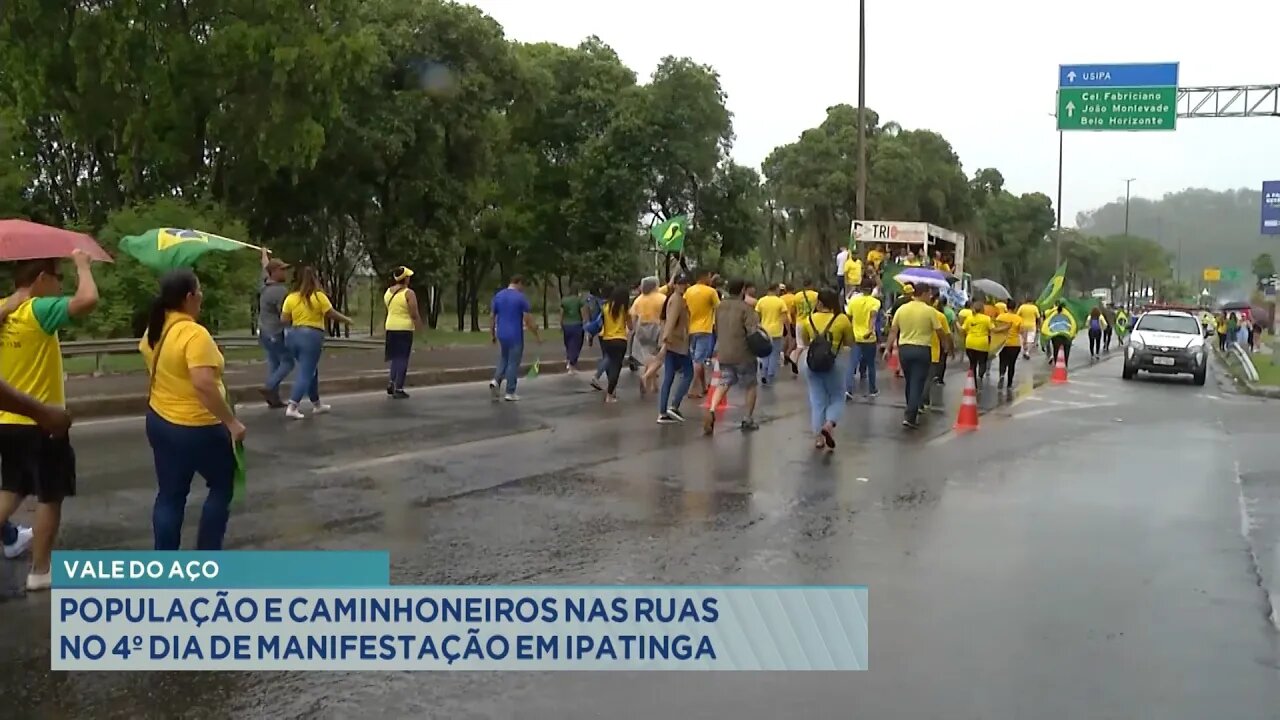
(23, 240)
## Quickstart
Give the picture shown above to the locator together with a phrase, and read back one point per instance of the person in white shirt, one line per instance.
(840, 258)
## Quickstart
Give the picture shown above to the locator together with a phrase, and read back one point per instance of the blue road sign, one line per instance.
(1271, 207)
(1123, 75)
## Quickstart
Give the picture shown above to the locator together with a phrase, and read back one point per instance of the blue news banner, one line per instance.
(338, 611)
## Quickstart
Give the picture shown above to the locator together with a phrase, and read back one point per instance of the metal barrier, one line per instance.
(100, 348)
(1246, 362)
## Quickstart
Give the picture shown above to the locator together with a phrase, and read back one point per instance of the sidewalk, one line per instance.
(341, 371)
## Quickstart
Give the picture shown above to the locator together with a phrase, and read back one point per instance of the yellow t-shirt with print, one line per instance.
(702, 301)
(772, 311)
(184, 344)
(307, 313)
(806, 303)
(615, 328)
(30, 356)
(977, 332)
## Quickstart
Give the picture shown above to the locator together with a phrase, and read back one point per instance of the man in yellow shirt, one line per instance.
(1030, 316)
(914, 329)
(875, 256)
(702, 300)
(1009, 329)
(32, 462)
(773, 320)
(789, 342)
(862, 310)
(852, 274)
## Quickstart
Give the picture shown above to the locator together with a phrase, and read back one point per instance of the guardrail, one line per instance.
(100, 348)
(1246, 362)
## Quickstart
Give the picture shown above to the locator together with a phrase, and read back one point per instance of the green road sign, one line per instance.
(1122, 108)
(1230, 274)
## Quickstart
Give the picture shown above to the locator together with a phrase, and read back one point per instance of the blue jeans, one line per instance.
(863, 362)
(510, 353)
(702, 346)
(573, 336)
(180, 452)
(916, 361)
(826, 395)
(279, 360)
(306, 344)
(8, 533)
(673, 363)
(771, 363)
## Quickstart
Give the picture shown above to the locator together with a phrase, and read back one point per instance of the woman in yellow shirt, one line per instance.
(613, 337)
(303, 314)
(190, 425)
(977, 340)
(826, 387)
(402, 322)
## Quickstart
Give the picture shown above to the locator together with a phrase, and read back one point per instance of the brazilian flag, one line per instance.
(1053, 289)
(169, 248)
(670, 235)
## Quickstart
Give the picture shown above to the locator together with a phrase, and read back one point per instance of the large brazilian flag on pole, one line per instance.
(1053, 289)
(169, 248)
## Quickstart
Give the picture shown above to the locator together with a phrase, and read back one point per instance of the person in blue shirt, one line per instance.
(509, 314)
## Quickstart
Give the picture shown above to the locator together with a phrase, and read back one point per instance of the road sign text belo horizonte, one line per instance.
(1120, 108)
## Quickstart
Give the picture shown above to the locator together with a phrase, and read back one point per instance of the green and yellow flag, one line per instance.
(670, 234)
(168, 248)
(534, 370)
(1053, 289)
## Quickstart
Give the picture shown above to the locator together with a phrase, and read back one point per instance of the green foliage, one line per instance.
(1263, 266)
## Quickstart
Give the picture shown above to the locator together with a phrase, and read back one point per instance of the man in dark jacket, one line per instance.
(735, 319)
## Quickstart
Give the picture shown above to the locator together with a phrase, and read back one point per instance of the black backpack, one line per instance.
(822, 353)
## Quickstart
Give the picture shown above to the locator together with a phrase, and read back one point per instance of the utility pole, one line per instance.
(861, 199)
(1128, 294)
(1057, 241)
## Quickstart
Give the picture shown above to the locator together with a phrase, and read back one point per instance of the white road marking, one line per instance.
(1042, 411)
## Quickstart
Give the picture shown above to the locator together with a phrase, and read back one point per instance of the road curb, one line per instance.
(1242, 383)
(133, 404)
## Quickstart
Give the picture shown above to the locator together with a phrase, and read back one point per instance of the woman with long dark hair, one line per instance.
(304, 313)
(1097, 323)
(190, 424)
(613, 337)
(402, 322)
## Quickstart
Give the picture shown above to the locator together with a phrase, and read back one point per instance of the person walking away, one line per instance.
(1220, 328)
(702, 299)
(509, 315)
(842, 258)
(402, 322)
(862, 310)
(1096, 324)
(573, 314)
(1060, 328)
(271, 295)
(826, 332)
(738, 365)
(1107, 332)
(55, 422)
(1009, 326)
(749, 295)
(594, 324)
(304, 313)
(32, 461)
(1251, 334)
(852, 275)
(936, 356)
(806, 303)
(911, 333)
(190, 425)
(977, 340)
(773, 320)
(1233, 328)
(613, 337)
(1029, 314)
(646, 318)
(675, 352)
(949, 325)
(789, 342)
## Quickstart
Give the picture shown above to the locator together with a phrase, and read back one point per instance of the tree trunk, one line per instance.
(433, 306)
(546, 322)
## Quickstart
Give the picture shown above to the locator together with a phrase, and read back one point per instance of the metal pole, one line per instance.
(861, 200)
(1128, 286)
(1057, 241)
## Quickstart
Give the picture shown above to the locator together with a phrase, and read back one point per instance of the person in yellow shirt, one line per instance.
(33, 462)
(702, 300)
(862, 310)
(789, 342)
(398, 330)
(875, 257)
(964, 314)
(190, 424)
(940, 263)
(646, 318)
(773, 320)
(912, 260)
(618, 323)
(1029, 313)
(304, 313)
(977, 340)
(939, 358)
(852, 274)
(1009, 328)
(806, 303)
(826, 384)
(914, 328)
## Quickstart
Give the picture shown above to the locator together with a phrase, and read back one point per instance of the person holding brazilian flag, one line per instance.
(191, 423)
(1063, 317)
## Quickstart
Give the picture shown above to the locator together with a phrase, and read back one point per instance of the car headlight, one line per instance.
(1136, 343)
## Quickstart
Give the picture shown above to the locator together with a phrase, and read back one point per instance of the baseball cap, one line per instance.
(275, 264)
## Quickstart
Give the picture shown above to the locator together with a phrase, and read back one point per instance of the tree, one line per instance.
(1263, 266)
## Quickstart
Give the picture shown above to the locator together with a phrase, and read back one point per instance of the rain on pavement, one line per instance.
(1101, 549)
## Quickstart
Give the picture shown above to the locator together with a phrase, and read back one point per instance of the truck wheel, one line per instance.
(1127, 373)
(1198, 378)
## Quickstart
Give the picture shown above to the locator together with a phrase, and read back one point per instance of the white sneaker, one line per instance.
(20, 545)
(39, 582)
(511, 397)
(293, 412)
(493, 389)
(320, 408)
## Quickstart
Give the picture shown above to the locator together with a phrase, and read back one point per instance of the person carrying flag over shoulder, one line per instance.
(1060, 329)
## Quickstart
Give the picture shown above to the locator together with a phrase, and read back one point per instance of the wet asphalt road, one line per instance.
(1097, 550)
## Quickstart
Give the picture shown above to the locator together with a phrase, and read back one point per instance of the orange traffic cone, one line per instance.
(1059, 371)
(967, 419)
(715, 383)
(892, 362)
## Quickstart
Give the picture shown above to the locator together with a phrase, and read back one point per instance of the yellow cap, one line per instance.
(403, 272)
(908, 289)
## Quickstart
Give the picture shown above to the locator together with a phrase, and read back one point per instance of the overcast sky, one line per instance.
(983, 73)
